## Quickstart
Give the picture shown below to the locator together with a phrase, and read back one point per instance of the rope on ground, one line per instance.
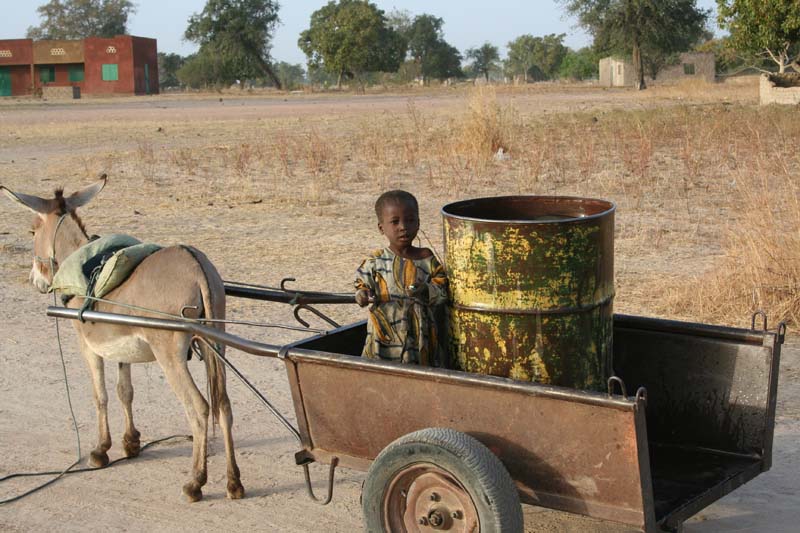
(71, 468)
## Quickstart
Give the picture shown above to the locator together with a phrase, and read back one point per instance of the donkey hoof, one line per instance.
(193, 492)
(132, 445)
(235, 490)
(98, 459)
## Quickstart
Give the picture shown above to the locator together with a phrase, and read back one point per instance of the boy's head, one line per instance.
(398, 218)
(396, 197)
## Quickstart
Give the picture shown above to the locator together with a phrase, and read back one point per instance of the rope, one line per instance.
(62, 473)
(71, 468)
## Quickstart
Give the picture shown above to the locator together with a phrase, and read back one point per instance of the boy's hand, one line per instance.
(418, 291)
(362, 297)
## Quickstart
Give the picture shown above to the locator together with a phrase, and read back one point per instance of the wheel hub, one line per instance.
(427, 498)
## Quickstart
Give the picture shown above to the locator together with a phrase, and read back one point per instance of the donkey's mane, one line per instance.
(63, 209)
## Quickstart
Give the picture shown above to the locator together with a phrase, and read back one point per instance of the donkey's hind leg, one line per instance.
(235, 490)
(98, 457)
(196, 408)
(130, 440)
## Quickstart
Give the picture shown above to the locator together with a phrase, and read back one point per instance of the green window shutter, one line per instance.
(47, 74)
(76, 73)
(110, 72)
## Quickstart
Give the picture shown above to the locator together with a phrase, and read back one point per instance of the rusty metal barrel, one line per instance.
(532, 283)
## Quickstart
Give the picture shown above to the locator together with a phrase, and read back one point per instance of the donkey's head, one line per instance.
(57, 230)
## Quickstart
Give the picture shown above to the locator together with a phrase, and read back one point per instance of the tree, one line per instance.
(240, 32)
(769, 29)
(729, 60)
(76, 19)
(351, 37)
(579, 65)
(640, 26)
(484, 58)
(168, 65)
(520, 55)
(428, 49)
(526, 52)
(207, 68)
(291, 76)
(443, 62)
(424, 36)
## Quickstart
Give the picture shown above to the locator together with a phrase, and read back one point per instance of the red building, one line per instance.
(96, 65)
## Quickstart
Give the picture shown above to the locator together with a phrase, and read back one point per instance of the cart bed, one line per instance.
(707, 429)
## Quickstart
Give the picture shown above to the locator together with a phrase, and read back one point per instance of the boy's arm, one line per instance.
(437, 285)
(364, 282)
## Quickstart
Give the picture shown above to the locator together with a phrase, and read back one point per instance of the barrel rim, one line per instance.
(451, 205)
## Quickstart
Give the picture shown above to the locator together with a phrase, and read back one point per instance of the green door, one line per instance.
(146, 78)
(5, 81)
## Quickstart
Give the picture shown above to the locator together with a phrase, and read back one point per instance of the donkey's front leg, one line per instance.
(98, 457)
(130, 440)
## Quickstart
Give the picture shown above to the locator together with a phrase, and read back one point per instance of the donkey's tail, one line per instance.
(212, 289)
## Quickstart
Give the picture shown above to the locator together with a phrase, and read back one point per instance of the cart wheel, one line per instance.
(439, 479)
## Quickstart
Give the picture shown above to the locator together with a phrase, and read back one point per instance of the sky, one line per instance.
(467, 23)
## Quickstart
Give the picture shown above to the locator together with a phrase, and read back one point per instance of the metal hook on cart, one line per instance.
(641, 396)
(763, 315)
(310, 490)
(618, 380)
(317, 312)
(781, 332)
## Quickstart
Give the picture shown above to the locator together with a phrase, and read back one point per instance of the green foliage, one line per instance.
(206, 69)
(730, 61)
(579, 65)
(76, 19)
(240, 33)
(484, 59)
(427, 47)
(769, 29)
(291, 76)
(657, 29)
(168, 65)
(443, 62)
(350, 38)
(544, 53)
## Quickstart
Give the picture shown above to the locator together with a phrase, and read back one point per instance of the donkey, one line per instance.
(175, 280)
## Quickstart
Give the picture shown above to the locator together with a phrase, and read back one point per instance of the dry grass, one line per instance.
(706, 184)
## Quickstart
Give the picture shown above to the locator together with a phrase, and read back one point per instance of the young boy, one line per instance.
(404, 284)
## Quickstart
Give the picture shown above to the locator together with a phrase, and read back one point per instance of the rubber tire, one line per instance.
(480, 472)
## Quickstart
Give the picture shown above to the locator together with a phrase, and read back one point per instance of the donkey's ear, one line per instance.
(84, 196)
(34, 203)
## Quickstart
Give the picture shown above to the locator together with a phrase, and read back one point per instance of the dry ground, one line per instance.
(275, 186)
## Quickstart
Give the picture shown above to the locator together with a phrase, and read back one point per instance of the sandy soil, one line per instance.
(259, 243)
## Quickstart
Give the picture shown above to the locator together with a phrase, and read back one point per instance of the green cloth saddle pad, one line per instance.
(116, 255)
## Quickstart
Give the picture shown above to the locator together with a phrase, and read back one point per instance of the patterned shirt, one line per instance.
(402, 327)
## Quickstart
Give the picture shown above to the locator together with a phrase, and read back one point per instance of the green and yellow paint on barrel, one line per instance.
(532, 283)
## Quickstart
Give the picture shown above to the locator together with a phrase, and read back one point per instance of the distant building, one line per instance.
(694, 65)
(96, 65)
(616, 72)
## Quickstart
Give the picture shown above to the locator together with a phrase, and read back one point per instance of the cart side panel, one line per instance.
(566, 450)
(702, 391)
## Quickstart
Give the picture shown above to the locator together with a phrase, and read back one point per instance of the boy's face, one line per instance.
(400, 223)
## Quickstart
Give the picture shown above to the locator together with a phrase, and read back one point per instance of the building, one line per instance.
(616, 72)
(96, 65)
(691, 65)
